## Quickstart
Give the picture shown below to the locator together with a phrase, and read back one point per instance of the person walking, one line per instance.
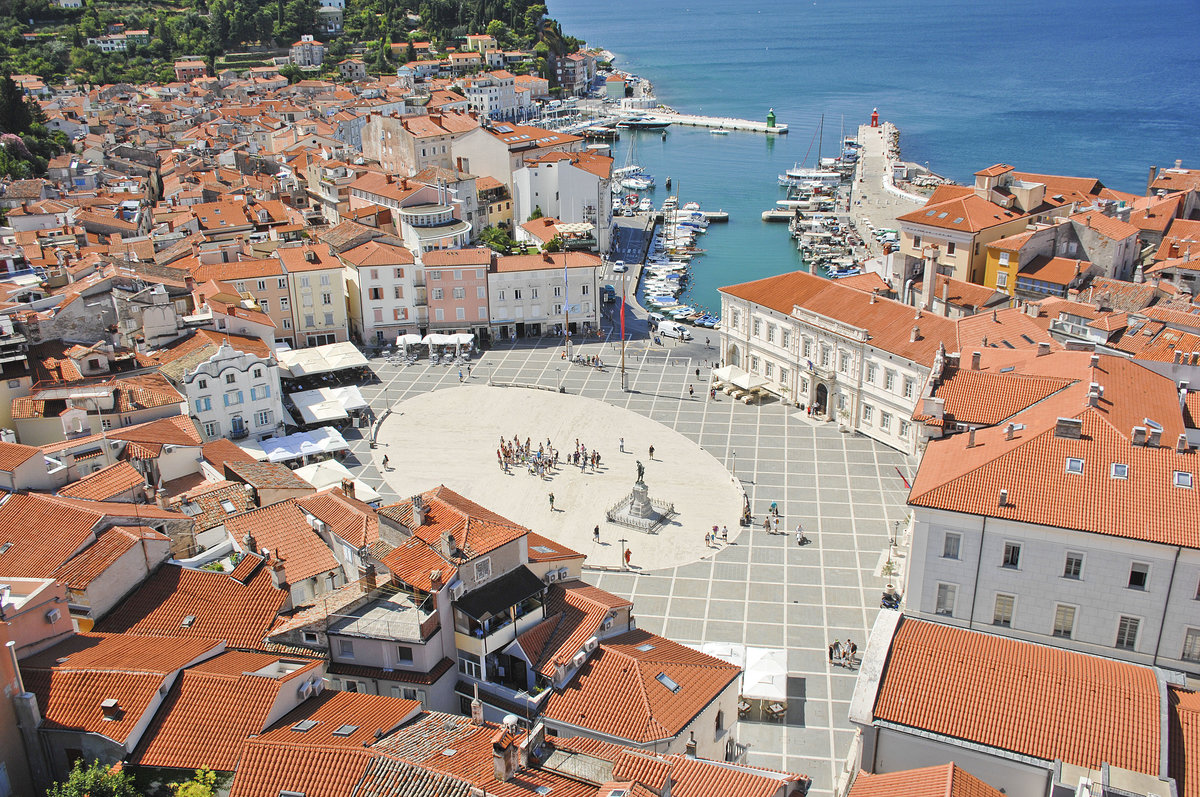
(551, 502)
(697, 373)
(766, 525)
(596, 533)
(831, 647)
(628, 555)
(459, 374)
(707, 539)
(622, 445)
(385, 461)
(853, 651)
(837, 653)
(799, 535)
(775, 509)
(724, 534)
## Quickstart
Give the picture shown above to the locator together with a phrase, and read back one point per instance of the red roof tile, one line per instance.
(946, 780)
(1083, 709)
(105, 483)
(1184, 729)
(285, 531)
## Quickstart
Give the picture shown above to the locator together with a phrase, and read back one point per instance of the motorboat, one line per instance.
(645, 206)
(643, 123)
(720, 131)
(638, 183)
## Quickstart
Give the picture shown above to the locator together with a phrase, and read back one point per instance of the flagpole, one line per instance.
(567, 306)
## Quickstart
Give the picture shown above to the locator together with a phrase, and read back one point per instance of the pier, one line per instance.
(719, 122)
(875, 196)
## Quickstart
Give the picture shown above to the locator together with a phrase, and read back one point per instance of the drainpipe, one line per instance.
(978, 566)
(1162, 623)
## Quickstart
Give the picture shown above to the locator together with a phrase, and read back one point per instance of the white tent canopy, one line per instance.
(728, 373)
(328, 403)
(436, 339)
(764, 670)
(331, 473)
(748, 381)
(321, 359)
(408, 340)
(323, 440)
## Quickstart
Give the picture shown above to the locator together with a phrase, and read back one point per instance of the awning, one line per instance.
(728, 373)
(328, 403)
(331, 473)
(495, 597)
(748, 381)
(765, 676)
(323, 440)
(321, 359)
(408, 340)
(436, 339)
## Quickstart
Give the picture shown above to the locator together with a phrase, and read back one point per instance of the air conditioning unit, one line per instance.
(579, 659)
(607, 624)
(167, 449)
(562, 574)
(632, 624)
(456, 591)
(52, 616)
(318, 685)
(551, 577)
(591, 644)
(114, 444)
(305, 691)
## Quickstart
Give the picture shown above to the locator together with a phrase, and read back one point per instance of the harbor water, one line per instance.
(1074, 87)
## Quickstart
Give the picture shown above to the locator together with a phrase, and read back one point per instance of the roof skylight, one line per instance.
(1074, 465)
(666, 681)
(1183, 479)
(1120, 471)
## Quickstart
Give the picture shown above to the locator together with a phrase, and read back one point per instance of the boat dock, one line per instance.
(718, 122)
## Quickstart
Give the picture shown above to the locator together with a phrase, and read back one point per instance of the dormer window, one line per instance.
(1074, 465)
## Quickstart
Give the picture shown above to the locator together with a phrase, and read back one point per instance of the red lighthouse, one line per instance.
(875, 118)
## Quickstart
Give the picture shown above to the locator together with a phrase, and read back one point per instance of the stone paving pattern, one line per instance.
(761, 589)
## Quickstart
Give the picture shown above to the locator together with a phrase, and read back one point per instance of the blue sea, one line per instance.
(1100, 89)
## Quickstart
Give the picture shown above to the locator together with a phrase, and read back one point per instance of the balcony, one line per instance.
(400, 617)
(490, 617)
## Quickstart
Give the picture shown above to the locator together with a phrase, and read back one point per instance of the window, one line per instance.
(437, 294)
(203, 384)
(1064, 621)
(287, 323)
(885, 421)
(770, 333)
(264, 418)
(757, 328)
(783, 376)
(1119, 471)
(668, 682)
(889, 381)
(376, 294)
(457, 272)
(904, 427)
(398, 292)
(868, 413)
(754, 363)
(1183, 479)
(945, 599)
(1012, 555)
(769, 370)
(910, 387)
(1073, 568)
(916, 241)
(346, 648)
(324, 279)
(304, 281)
(439, 314)
(233, 398)
(212, 429)
(951, 545)
(950, 248)
(1127, 631)
(1139, 575)
(404, 654)
(283, 283)
(483, 569)
(807, 348)
(557, 291)
(844, 362)
(203, 404)
(329, 319)
(785, 339)
(1191, 645)
(260, 392)
(283, 303)
(460, 293)
(460, 313)
(326, 298)
(435, 275)
(309, 320)
(516, 295)
(533, 293)
(262, 285)
(1074, 465)
(720, 724)
(1002, 276)
(468, 665)
(872, 372)
(399, 273)
(241, 286)
(1003, 612)
(481, 292)
(310, 637)
(407, 693)
(230, 379)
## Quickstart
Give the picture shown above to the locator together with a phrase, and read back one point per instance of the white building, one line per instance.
(573, 187)
(381, 282)
(853, 357)
(236, 395)
(539, 294)
(491, 94)
(1070, 521)
(330, 14)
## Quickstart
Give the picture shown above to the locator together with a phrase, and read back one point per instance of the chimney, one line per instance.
(448, 546)
(1094, 360)
(435, 580)
(1093, 398)
(249, 543)
(1150, 181)
(419, 511)
(505, 751)
(278, 576)
(971, 437)
(112, 709)
(368, 577)
(872, 297)
(1004, 498)
(1008, 431)
(689, 749)
(1181, 445)
(1043, 348)
(915, 335)
(476, 708)
(946, 297)
(1139, 435)
(1155, 438)
(1069, 428)
(348, 487)
(532, 741)
(995, 318)
(975, 358)
(930, 277)
(1178, 163)
(160, 498)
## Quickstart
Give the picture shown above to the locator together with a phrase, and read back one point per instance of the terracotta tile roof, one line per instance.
(1174, 318)
(387, 778)
(476, 530)
(397, 676)
(210, 711)
(239, 614)
(219, 452)
(333, 710)
(1184, 730)
(1056, 270)
(946, 780)
(176, 360)
(994, 171)
(1083, 709)
(413, 561)
(378, 253)
(699, 778)
(266, 475)
(73, 678)
(1109, 226)
(206, 504)
(592, 162)
(578, 610)
(296, 259)
(458, 257)
(628, 692)
(13, 455)
(105, 483)
(989, 395)
(544, 549)
(44, 534)
(558, 261)
(1011, 243)
(267, 769)
(94, 560)
(963, 294)
(285, 531)
(1119, 295)
(348, 518)
(869, 282)
(968, 213)
(1080, 190)
(1166, 180)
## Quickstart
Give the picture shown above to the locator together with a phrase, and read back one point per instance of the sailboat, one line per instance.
(799, 175)
(632, 175)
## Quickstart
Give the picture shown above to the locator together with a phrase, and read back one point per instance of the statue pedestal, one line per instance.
(639, 501)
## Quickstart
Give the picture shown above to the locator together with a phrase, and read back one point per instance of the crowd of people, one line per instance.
(542, 461)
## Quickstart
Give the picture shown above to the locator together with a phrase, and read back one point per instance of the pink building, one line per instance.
(456, 289)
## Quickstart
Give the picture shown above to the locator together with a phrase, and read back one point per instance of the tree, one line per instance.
(410, 53)
(536, 214)
(14, 112)
(555, 244)
(202, 785)
(94, 780)
(291, 72)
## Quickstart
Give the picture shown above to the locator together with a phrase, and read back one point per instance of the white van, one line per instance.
(674, 329)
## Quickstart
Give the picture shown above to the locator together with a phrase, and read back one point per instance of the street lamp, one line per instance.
(623, 541)
(734, 463)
